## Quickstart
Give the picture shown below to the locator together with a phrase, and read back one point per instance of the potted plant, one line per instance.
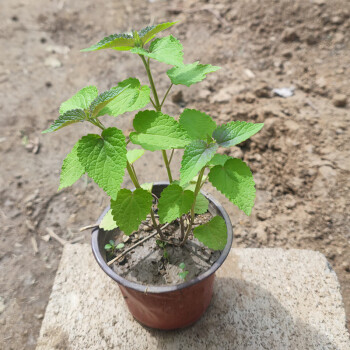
(191, 232)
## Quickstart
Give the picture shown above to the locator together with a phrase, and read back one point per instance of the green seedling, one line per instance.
(184, 272)
(104, 154)
(111, 247)
(163, 245)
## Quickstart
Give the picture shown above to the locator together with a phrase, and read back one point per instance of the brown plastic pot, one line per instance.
(165, 307)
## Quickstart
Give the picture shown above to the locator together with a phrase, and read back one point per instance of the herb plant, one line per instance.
(104, 155)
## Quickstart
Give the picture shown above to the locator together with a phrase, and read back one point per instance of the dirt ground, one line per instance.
(300, 160)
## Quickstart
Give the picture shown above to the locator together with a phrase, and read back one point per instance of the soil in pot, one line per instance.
(150, 264)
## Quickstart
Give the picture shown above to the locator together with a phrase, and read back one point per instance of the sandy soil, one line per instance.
(300, 160)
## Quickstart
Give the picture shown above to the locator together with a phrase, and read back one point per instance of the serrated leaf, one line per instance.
(72, 169)
(174, 202)
(213, 234)
(196, 156)
(219, 159)
(167, 50)
(197, 124)
(157, 131)
(142, 100)
(235, 180)
(125, 41)
(81, 100)
(202, 204)
(132, 97)
(108, 223)
(190, 73)
(148, 33)
(120, 42)
(232, 133)
(134, 154)
(103, 100)
(104, 158)
(70, 117)
(130, 208)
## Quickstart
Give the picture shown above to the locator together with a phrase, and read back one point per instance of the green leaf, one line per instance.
(232, 133)
(174, 202)
(197, 124)
(81, 100)
(108, 223)
(183, 274)
(148, 186)
(219, 159)
(104, 99)
(120, 42)
(72, 169)
(108, 246)
(70, 117)
(148, 33)
(126, 41)
(235, 180)
(157, 131)
(190, 73)
(120, 246)
(202, 204)
(142, 99)
(195, 157)
(132, 97)
(167, 50)
(134, 154)
(182, 266)
(213, 234)
(130, 208)
(104, 159)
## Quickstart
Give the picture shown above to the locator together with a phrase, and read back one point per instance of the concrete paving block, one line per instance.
(263, 299)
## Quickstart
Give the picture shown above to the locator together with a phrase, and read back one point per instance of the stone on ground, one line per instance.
(264, 299)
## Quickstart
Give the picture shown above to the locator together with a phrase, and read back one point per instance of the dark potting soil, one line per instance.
(147, 264)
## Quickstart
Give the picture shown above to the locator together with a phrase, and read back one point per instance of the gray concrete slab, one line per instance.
(264, 299)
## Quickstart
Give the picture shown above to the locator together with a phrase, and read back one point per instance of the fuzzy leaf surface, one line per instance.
(190, 73)
(148, 33)
(120, 42)
(232, 133)
(104, 158)
(81, 100)
(108, 223)
(132, 97)
(235, 180)
(197, 124)
(134, 154)
(167, 50)
(202, 204)
(219, 159)
(104, 99)
(196, 156)
(157, 131)
(174, 202)
(70, 117)
(72, 169)
(126, 41)
(130, 208)
(213, 234)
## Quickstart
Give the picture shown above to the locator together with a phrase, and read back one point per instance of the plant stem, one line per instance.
(196, 191)
(182, 228)
(166, 162)
(137, 185)
(154, 91)
(171, 155)
(165, 96)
